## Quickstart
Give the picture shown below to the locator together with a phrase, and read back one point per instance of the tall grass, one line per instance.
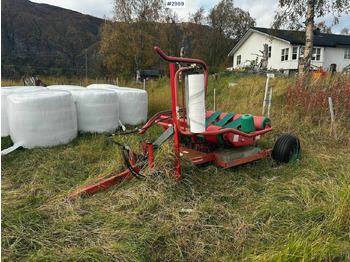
(75, 81)
(256, 212)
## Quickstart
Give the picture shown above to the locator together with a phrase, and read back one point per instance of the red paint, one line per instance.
(104, 184)
(173, 80)
(150, 154)
(244, 160)
(197, 157)
(186, 60)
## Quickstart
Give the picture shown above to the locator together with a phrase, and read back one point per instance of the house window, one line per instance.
(284, 54)
(295, 53)
(269, 52)
(239, 59)
(347, 54)
(316, 54)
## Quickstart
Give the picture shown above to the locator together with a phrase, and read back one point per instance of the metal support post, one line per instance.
(150, 153)
(265, 95)
(176, 132)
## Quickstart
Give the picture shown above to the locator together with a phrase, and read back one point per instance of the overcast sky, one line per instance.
(261, 10)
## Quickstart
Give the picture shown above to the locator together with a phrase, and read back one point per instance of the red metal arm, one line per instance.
(186, 60)
(153, 119)
(180, 59)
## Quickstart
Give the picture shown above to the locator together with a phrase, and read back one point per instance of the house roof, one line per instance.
(296, 37)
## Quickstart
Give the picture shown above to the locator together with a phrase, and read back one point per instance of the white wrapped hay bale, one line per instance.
(65, 87)
(97, 110)
(42, 119)
(133, 103)
(5, 92)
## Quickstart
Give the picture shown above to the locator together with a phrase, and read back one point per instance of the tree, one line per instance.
(291, 13)
(169, 34)
(138, 25)
(127, 42)
(229, 23)
(323, 27)
(169, 37)
(117, 47)
(198, 31)
(345, 31)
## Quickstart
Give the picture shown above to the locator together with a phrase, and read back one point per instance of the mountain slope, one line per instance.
(46, 39)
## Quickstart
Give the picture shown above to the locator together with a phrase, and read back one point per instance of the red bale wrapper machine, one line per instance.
(227, 139)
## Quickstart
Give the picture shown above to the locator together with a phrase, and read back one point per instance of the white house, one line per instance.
(283, 48)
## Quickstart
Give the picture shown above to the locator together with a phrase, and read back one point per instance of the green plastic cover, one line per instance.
(247, 123)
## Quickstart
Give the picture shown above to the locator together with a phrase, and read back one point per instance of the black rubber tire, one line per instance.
(286, 149)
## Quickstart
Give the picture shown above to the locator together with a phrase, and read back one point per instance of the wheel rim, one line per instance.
(294, 152)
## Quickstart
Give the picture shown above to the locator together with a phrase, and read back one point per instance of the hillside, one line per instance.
(40, 39)
(47, 39)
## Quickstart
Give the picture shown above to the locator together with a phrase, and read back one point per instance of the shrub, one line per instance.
(313, 95)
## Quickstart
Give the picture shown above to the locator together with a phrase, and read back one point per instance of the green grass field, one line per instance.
(256, 212)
